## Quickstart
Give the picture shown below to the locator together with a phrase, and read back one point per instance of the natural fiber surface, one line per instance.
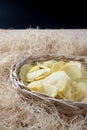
(18, 114)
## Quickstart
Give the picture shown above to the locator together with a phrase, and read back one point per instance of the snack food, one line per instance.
(58, 79)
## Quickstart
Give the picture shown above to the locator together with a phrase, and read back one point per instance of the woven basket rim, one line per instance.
(70, 106)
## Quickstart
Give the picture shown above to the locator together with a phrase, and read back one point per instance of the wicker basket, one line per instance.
(64, 106)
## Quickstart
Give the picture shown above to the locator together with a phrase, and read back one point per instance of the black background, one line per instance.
(51, 15)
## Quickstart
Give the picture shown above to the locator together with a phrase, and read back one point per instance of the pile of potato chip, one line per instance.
(59, 79)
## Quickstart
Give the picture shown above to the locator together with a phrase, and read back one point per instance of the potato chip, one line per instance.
(80, 91)
(36, 86)
(57, 66)
(50, 90)
(67, 92)
(41, 65)
(34, 69)
(36, 75)
(49, 63)
(73, 71)
(84, 74)
(76, 63)
(23, 71)
(81, 80)
(57, 80)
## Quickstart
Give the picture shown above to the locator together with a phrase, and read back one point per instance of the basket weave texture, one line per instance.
(60, 105)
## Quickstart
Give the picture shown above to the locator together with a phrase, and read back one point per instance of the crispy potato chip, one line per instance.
(67, 92)
(76, 63)
(36, 86)
(84, 74)
(57, 66)
(57, 80)
(49, 63)
(80, 90)
(36, 75)
(34, 69)
(41, 65)
(73, 71)
(81, 80)
(23, 71)
(50, 90)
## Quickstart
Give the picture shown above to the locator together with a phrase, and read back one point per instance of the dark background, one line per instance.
(51, 15)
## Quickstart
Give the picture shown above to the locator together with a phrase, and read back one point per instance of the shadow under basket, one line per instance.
(61, 105)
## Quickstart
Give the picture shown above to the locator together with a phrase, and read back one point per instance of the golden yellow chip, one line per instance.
(41, 65)
(57, 66)
(36, 86)
(84, 74)
(23, 71)
(34, 69)
(73, 71)
(36, 75)
(67, 92)
(50, 90)
(57, 81)
(49, 63)
(76, 63)
(80, 91)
